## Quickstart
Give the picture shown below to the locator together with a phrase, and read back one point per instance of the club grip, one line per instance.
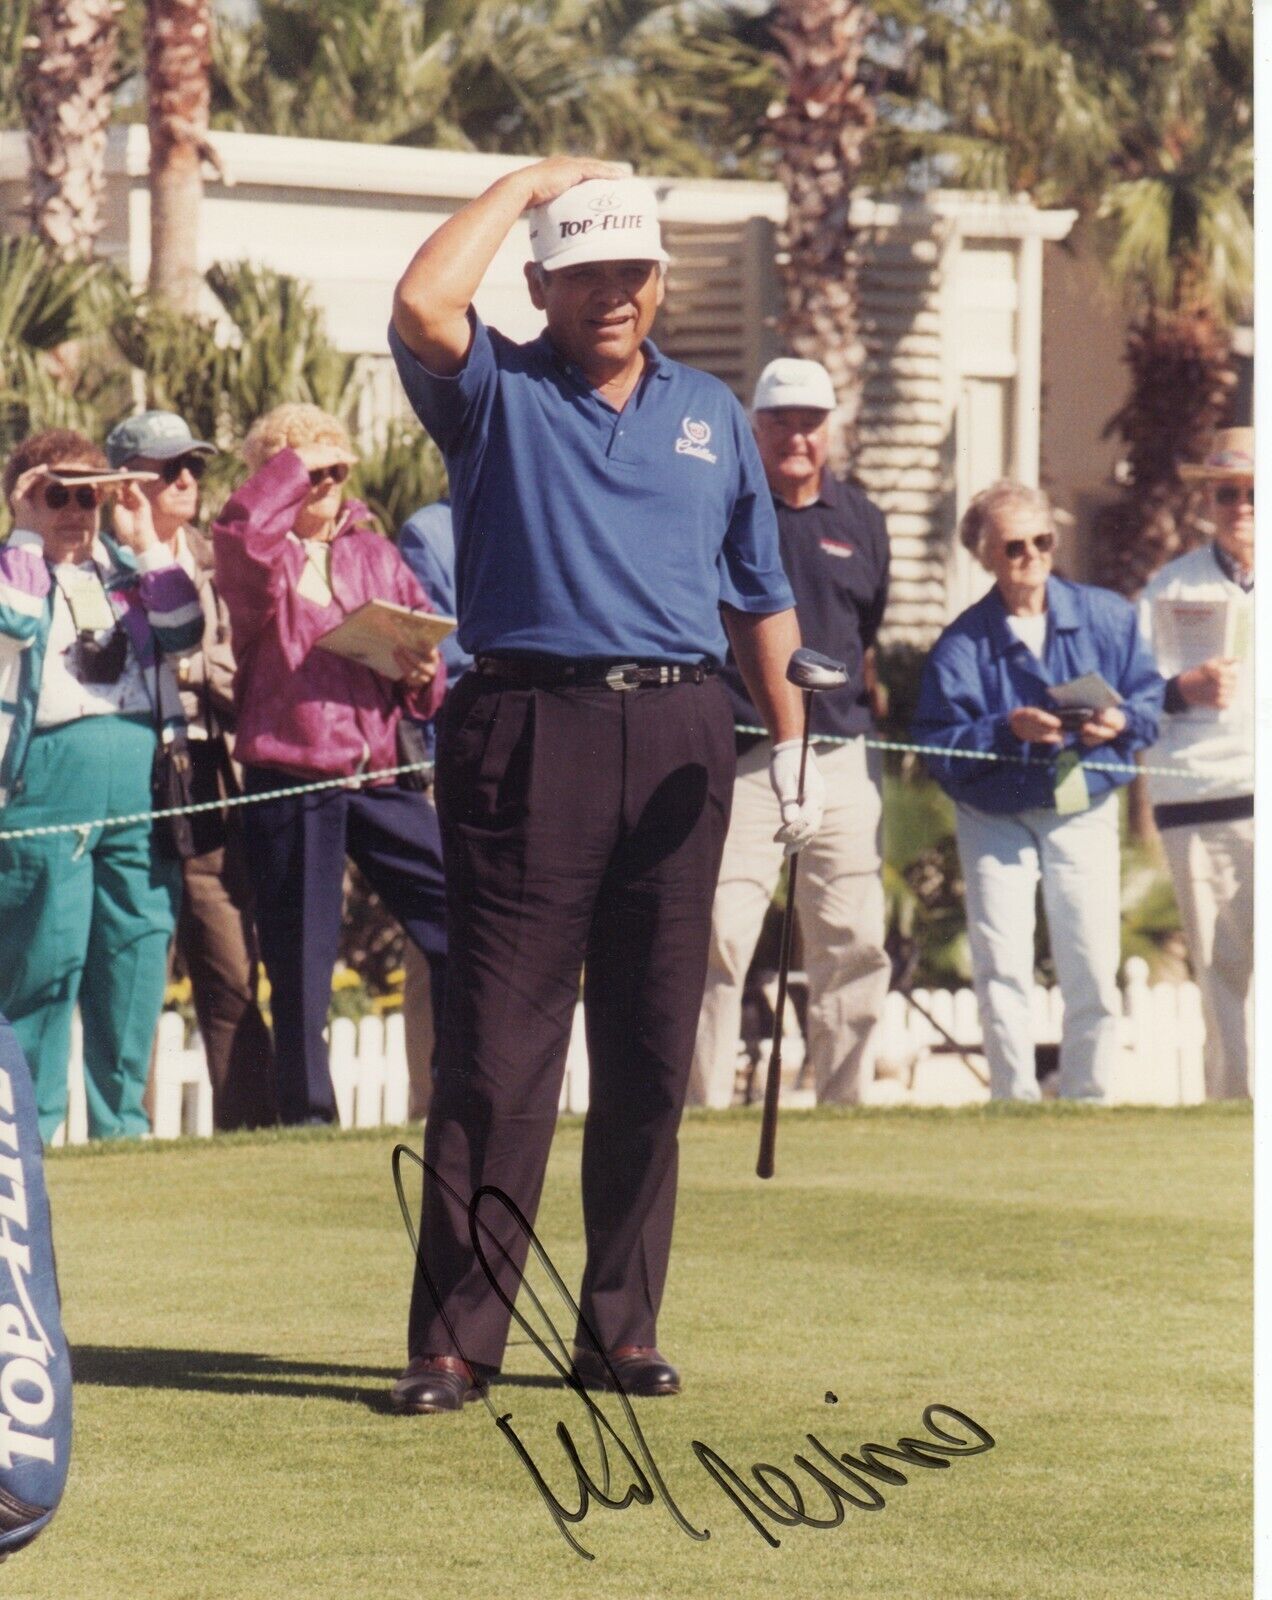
(764, 1165)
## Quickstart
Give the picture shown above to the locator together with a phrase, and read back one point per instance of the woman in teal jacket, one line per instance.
(1034, 798)
(84, 916)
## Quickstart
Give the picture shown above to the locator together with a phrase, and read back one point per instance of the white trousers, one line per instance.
(1077, 860)
(1212, 864)
(840, 905)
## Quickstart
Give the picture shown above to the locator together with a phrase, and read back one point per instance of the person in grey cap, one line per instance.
(835, 552)
(215, 933)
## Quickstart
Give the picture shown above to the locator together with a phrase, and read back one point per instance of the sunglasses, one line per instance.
(57, 496)
(1044, 544)
(338, 472)
(1233, 494)
(196, 466)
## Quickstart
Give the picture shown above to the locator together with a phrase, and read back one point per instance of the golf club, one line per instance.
(810, 671)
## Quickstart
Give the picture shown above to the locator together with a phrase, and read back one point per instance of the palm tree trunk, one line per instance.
(178, 60)
(65, 88)
(821, 130)
(1182, 385)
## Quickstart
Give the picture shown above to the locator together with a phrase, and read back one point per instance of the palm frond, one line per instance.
(401, 473)
(46, 301)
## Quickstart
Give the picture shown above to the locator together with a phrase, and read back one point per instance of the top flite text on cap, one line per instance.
(607, 224)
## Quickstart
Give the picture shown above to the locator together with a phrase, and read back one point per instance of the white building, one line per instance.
(953, 309)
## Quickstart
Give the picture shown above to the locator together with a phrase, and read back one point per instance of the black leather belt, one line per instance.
(1192, 813)
(554, 672)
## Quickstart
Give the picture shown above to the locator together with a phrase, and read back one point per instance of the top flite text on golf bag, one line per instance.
(27, 1396)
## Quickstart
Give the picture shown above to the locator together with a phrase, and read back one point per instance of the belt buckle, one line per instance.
(616, 677)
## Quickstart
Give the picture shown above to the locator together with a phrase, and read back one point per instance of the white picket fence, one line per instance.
(368, 1073)
(1161, 1064)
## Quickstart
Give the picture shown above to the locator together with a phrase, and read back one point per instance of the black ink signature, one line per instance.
(778, 1497)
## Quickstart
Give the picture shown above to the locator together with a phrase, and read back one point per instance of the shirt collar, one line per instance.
(1231, 569)
(353, 516)
(183, 553)
(829, 493)
(656, 364)
(1061, 612)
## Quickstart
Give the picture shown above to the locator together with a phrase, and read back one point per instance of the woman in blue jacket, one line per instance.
(1033, 801)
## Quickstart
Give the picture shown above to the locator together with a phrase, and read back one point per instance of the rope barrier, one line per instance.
(989, 755)
(354, 781)
(358, 779)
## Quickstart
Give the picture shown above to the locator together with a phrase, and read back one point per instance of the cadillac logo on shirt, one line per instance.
(694, 439)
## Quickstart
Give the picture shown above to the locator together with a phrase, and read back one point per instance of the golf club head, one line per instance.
(809, 669)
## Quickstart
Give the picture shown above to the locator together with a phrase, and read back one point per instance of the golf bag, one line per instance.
(35, 1365)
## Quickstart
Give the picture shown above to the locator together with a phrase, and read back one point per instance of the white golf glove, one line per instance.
(799, 821)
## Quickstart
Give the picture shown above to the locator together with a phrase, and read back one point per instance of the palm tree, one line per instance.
(821, 129)
(65, 87)
(52, 311)
(665, 83)
(178, 64)
(1139, 113)
(14, 29)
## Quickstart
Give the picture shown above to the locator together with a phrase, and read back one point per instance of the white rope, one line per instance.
(990, 755)
(355, 781)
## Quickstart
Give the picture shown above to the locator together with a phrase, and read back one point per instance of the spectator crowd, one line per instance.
(131, 641)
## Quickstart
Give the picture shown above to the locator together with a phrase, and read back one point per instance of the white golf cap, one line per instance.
(603, 219)
(791, 382)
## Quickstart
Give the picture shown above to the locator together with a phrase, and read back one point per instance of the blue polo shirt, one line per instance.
(427, 545)
(979, 672)
(586, 532)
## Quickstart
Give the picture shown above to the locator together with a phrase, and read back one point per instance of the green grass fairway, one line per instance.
(1077, 1281)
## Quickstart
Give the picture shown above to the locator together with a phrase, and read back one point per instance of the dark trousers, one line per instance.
(217, 942)
(296, 848)
(582, 829)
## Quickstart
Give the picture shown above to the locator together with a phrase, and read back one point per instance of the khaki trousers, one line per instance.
(1212, 864)
(840, 904)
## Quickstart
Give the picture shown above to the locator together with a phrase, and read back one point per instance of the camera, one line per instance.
(102, 663)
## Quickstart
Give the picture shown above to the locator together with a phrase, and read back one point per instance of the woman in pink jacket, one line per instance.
(293, 558)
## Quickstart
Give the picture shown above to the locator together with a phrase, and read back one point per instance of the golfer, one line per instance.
(614, 534)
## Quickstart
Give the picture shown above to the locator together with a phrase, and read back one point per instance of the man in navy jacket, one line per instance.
(835, 553)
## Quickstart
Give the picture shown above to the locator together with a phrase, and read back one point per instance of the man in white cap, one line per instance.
(1198, 614)
(612, 526)
(835, 552)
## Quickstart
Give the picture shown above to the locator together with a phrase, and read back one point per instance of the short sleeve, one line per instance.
(750, 565)
(447, 406)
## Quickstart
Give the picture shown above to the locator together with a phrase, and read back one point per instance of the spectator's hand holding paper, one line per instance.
(1189, 632)
(375, 633)
(1088, 690)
